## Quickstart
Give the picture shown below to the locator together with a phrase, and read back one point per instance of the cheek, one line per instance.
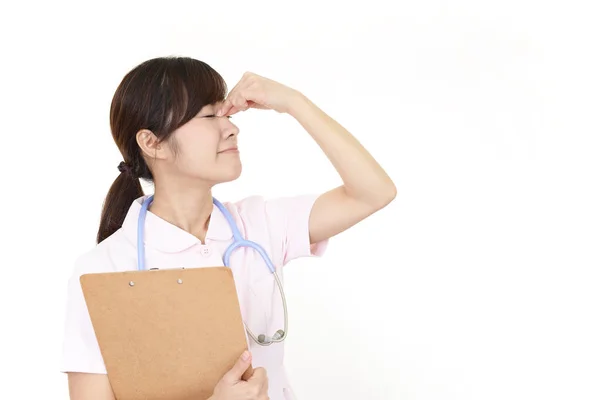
(197, 148)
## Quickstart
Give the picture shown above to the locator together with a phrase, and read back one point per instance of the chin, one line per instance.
(231, 175)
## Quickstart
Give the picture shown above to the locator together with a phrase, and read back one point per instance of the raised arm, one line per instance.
(366, 186)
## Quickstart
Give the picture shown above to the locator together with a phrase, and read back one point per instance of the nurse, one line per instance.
(170, 119)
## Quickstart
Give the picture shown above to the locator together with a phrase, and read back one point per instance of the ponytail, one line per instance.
(124, 191)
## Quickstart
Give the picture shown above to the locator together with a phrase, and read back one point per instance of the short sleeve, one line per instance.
(81, 352)
(288, 223)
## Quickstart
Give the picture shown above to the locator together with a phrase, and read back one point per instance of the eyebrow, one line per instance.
(206, 113)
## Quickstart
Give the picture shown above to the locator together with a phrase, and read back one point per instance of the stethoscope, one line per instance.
(238, 241)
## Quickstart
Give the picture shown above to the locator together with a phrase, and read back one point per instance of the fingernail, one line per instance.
(245, 355)
(220, 113)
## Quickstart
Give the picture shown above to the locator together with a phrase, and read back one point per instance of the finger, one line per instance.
(264, 390)
(259, 384)
(247, 374)
(259, 374)
(232, 111)
(241, 82)
(265, 386)
(239, 97)
(227, 109)
(240, 102)
(233, 105)
(238, 369)
(226, 106)
(252, 104)
(259, 378)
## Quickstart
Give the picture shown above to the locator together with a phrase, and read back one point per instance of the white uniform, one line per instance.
(280, 226)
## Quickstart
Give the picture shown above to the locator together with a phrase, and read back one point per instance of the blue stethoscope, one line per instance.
(238, 241)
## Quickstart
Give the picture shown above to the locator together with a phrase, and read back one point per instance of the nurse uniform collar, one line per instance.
(238, 241)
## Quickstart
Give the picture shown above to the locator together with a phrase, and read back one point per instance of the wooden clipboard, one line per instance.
(166, 334)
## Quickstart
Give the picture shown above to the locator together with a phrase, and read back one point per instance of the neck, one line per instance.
(188, 208)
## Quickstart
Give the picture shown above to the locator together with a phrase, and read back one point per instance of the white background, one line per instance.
(480, 281)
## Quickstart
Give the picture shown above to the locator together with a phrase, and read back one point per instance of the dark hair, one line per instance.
(160, 95)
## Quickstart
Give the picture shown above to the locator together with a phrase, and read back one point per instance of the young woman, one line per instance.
(170, 119)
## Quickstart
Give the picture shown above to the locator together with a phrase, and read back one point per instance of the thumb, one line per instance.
(240, 366)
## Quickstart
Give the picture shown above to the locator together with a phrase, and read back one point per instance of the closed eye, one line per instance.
(213, 116)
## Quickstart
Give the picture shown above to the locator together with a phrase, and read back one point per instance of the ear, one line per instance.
(150, 145)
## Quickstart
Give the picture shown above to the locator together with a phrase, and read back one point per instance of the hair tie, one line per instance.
(125, 168)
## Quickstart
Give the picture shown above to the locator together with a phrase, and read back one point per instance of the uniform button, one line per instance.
(205, 250)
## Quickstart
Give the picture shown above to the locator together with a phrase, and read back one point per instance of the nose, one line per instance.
(230, 129)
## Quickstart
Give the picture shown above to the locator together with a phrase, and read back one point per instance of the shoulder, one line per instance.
(257, 206)
(115, 253)
(246, 205)
(282, 222)
(272, 214)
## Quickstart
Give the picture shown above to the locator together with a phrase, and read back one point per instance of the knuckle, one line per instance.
(252, 79)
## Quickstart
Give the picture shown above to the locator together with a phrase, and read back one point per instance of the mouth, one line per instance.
(229, 150)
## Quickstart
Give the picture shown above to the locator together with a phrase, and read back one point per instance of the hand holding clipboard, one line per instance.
(234, 387)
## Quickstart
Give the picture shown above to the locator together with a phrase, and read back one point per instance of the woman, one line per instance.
(170, 119)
